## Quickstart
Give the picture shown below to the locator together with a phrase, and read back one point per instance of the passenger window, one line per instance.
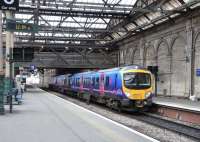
(65, 82)
(107, 82)
(78, 81)
(116, 81)
(97, 81)
(93, 81)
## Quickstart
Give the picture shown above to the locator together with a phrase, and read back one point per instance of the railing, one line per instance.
(7, 91)
(1, 94)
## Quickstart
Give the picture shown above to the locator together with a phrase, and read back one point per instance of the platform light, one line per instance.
(66, 48)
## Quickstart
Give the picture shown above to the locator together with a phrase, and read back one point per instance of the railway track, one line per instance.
(148, 118)
(169, 125)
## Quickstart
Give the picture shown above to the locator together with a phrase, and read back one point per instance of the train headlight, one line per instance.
(127, 94)
(147, 95)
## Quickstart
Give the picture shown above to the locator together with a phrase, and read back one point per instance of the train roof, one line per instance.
(108, 70)
(114, 69)
(64, 75)
(123, 68)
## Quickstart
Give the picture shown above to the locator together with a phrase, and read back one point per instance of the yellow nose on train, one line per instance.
(138, 94)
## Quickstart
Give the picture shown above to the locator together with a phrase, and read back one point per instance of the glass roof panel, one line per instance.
(153, 15)
(83, 26)
(90, 1)
(186, 1)
(130, 26)
(130, 2)
(142, 20)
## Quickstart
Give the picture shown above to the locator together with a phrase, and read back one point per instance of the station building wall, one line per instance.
(46, 76)
(173, 46)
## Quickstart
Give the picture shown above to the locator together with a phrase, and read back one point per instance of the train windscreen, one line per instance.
(137, 80)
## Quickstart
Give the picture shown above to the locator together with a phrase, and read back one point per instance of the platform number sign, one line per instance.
(9, 4)
(198, 72)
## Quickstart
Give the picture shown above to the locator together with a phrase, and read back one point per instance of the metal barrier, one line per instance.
(1, 94)
(6, 91)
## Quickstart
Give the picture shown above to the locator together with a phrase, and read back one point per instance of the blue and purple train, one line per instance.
(127, 88)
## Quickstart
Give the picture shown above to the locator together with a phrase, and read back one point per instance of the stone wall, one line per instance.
(46, 77)
(175, 47)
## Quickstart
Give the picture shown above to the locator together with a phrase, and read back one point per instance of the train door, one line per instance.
(91, 83)
(81, 83)
(115, 82)
(101, 86)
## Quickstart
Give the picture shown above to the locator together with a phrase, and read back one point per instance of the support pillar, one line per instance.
(191, 56)
(1, 46)
(9, 49)
(141, 48)
(1, 69)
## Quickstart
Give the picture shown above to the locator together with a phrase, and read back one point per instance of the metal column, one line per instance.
(1, 68)
(9, 49)
(1, 46)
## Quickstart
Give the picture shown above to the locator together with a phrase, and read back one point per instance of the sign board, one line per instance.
(198, 72)
(32, 67)
(20, 26)
(9, 4)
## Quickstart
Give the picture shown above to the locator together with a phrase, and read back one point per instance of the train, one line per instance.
(122, 88)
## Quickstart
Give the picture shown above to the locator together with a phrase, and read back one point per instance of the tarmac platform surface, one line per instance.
(44, 117)
(178, 103)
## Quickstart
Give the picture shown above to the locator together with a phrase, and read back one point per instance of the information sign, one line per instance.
(198, 72)
(20, 26)
(9, 4)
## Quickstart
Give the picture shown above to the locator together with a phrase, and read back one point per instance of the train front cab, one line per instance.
(138, 87)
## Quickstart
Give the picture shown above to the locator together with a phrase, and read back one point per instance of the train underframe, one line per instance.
(112, 101)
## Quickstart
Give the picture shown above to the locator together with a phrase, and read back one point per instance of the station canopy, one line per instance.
(93, 23)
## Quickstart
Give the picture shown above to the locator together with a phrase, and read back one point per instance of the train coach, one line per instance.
(128, 88)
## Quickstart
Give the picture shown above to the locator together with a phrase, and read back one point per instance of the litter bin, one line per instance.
(1, 94)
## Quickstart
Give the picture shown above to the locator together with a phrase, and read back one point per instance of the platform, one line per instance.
(178, 103)
(44, 117)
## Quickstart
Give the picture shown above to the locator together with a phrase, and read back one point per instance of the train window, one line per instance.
(68, 82)
(137, 80)
(93, 81)
(84, 82)
(97, 81)
(73, 81)
(65, 81)
(88, 82)
(78, 82)
(115, 81)
(107, 82)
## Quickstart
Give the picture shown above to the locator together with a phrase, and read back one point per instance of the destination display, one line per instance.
(19, 26)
